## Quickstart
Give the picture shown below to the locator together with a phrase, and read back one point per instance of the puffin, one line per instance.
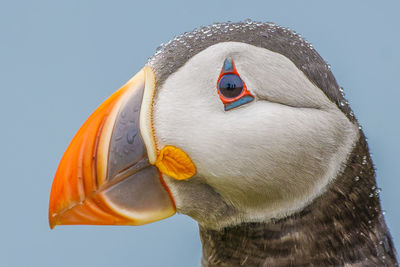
(243, 127)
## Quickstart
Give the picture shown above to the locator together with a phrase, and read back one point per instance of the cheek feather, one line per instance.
(266, 159)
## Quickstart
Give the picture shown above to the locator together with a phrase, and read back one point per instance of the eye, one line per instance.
(232, 89)
(230, 85)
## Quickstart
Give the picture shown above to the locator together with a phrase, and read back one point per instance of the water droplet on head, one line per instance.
(378, 191)
(160, 47)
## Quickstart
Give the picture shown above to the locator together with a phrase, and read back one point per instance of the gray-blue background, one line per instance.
(60, 59)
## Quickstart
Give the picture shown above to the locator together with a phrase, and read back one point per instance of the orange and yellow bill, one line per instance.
(105, 176)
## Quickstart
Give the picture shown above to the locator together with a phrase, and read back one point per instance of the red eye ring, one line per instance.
(229, 68)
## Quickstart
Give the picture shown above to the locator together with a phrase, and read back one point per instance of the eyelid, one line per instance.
(244, 97)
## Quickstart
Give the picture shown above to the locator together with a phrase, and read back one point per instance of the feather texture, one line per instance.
(343, 227)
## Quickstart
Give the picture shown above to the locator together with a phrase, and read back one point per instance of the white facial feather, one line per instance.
(266, 159)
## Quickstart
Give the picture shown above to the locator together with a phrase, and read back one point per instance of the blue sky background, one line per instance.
(60, 59)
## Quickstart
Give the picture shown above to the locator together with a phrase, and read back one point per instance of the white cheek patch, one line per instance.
(268, 158)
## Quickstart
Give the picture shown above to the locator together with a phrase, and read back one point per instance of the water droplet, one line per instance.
(373, 187)
(364, 161)
(160, 47)
(369, 222)
(378, 191)
(380, 242)
(371, 195)
(383, 212)
(356, 178)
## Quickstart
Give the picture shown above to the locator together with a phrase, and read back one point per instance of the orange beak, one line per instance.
(106, 176)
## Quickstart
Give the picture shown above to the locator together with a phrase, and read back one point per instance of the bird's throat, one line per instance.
(345, 226)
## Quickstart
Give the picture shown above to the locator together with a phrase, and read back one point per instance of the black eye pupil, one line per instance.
(230, 85)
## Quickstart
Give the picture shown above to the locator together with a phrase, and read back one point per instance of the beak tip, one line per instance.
(52, 221)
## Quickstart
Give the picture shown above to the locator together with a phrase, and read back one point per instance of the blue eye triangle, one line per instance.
(239, 102)
(228, 65)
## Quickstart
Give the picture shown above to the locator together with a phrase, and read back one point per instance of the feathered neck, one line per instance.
(343, 226)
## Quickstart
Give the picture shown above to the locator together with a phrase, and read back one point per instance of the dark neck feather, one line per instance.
(344, 226)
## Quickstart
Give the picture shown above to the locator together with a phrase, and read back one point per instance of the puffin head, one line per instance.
(229, 123)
